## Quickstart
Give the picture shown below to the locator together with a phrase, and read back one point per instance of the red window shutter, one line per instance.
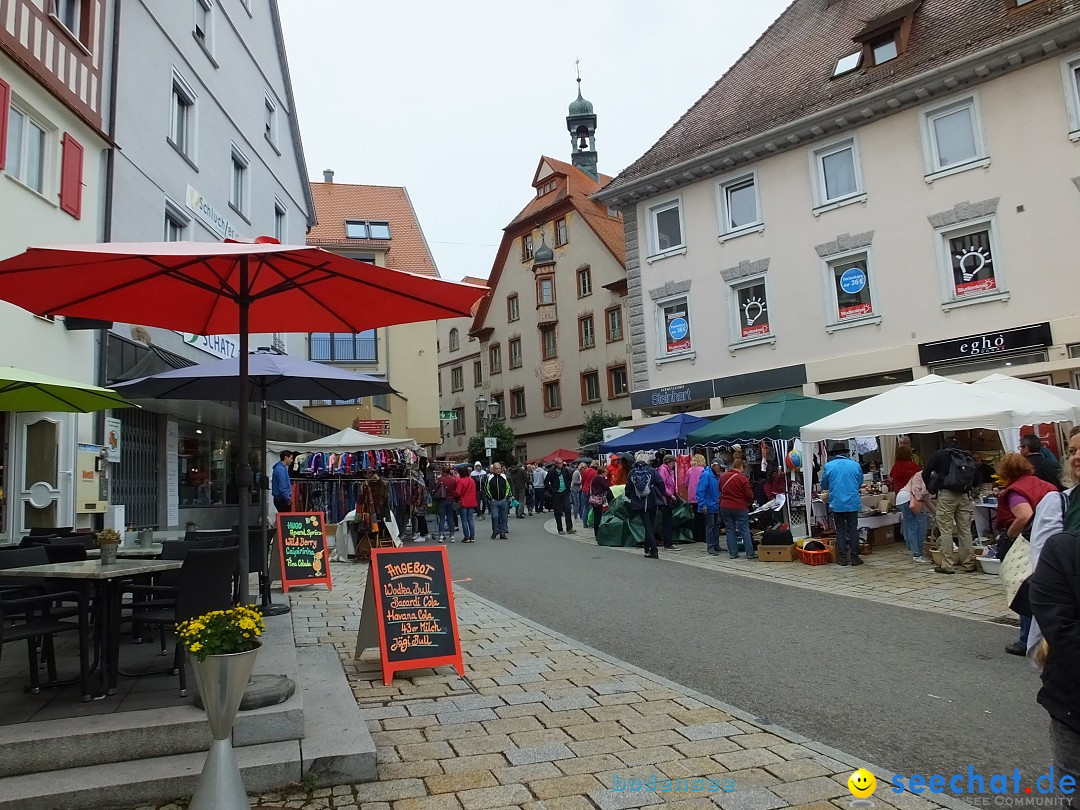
(5, 108)
(71, 174)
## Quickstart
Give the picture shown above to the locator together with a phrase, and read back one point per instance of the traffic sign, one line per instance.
(490, 443)
(446, 416)
(489, 451)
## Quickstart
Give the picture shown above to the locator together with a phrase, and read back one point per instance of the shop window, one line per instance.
(458, 425)
(673, 321)
(517, 403)
(560, 232)
(455, 340)
(513, 310)
(618, 382)
(584, 282)
(477, 373)
(545, 291)
(207, 458)
(750, 315)
(836, 173)
(345, 347)
(891, 378)
(552, 396)
(613, 322)
(457, 379)
(526, 248)
(737, 202)
(495, 358)
(665, 227)
(849, 290)
(969, 264)
(514, 346)
(586, 332)
(590, 387)
(952, 136)
(549, 346)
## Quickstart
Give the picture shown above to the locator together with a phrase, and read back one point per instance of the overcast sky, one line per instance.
(457, 99)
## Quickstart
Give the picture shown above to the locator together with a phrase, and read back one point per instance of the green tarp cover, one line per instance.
(618, 529)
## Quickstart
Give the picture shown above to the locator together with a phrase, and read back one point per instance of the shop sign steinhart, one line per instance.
(976, 347)
(672, 395)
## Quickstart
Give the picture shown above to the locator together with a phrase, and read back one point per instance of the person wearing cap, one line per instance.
(280, 483)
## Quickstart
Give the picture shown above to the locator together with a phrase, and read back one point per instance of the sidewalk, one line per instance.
(889, 576)
(542, 722)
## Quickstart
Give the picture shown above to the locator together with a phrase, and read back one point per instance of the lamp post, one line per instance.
(490, 410)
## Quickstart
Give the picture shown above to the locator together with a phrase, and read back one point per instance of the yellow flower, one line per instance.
(196, 646)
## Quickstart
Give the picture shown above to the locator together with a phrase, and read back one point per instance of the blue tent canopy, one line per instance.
(668, 435)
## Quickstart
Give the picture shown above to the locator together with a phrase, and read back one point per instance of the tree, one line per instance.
(592, 432)
(503, 453)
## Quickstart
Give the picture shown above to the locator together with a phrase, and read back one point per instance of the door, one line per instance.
(44, 470)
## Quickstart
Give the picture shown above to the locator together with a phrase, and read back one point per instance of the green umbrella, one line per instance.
(781, 417)
(22, 390)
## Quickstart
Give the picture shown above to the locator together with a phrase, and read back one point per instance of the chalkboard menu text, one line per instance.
(302, 547)
(408, 611)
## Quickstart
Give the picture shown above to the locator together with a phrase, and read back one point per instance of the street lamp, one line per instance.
(490, 411)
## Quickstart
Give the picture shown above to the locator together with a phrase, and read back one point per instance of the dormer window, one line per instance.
(885, 37)
(366, 229)
(884, 49)
(547, 188)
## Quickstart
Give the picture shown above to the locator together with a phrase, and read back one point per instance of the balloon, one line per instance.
(794, 460)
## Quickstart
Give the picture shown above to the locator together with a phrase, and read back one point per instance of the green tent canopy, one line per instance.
(781, 417)
(22, 390)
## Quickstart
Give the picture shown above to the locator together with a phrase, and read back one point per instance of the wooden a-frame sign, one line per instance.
(408, 611)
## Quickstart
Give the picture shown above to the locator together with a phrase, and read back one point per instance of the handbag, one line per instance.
(1015, 571)
(597, 500)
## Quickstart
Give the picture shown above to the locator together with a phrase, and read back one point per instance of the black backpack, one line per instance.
(961, 474)
(641, 480)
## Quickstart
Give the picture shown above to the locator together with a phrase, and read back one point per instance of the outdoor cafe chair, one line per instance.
(205, 583)
(65, 552)
(34, 621)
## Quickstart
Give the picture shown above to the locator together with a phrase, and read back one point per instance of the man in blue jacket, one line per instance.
(842, 478)
(280, 485)
(708, 500)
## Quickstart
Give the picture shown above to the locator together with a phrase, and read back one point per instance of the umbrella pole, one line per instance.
(243, 468)
(267, 606)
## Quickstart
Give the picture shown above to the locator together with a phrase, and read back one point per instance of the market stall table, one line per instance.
(105, 579)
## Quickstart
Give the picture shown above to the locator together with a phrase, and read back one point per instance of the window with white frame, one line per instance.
(737, 201)
(586, 332)
(673, 320)
(613, 321)
(666, 227)
(584, 282)
(495, 358)
(545, 290)
(513, 308)
(457, 379)
(477, 373)
(517, 402)
(952, 135)
(848, 289)
(837, 176)
(552, 396)
(182, 117)
(455, 340)
(750, 303)
(204, 23)
(281, 214)
(590, 387)
(1070, 74)
(176, 223)
(27, 149)
(270, 119)
(70, 15)
(238, 182)
(969, 262)
(618, 382)
(514, 345)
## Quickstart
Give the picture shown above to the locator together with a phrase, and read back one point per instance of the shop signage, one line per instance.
(408, 611)
(217, 221)
(672, 395)
(976, 347)
(112, 439)
(172, 473)
(856, 311)
(853, 281)
(678, 334)
(223, 346)
(302, 548)
(376, 427)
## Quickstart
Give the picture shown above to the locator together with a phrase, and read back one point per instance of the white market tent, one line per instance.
(345, 441)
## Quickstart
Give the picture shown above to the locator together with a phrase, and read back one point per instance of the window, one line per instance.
(552, 396)
(969, 259)
(238, 186)
(513, 311)
(884, 48)
(355, 230)
(674, 327)
(517, 402)
(526, 247)
(548, 187)
(618, 382)
(477, 374)
(1070, 74)
(584, 282)
(345, 347)
(175, 223)
(560, 232)
(457, 379)
(438, 378)
(613, 318)
(182, 117)
(586, 332)
(846, 64)
(379, 230)
(848, 290)
(590, 387)
(459, 421)
(500, 412)
(270, 120)
(480, 414)
(514, 345)
(204, 24)
(836, 173)
(665, 227)
(737, 202)
(455, 341)
(952, 136)
(549, 347)
(26, 149)
(280, 222)
(750, 300)
(545, 291)
(72, 15)
(365, 229)
(495, 358)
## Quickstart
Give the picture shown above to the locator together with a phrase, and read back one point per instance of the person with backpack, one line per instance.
(951, 474)
(842, 478)
(466, 494)
(707, 499)
(645, 492)
(558, 485)
(443, 497)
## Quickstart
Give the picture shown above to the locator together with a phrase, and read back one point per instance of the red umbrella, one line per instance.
(210, 288)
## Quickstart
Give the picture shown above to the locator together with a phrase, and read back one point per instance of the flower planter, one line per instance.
(108, 553)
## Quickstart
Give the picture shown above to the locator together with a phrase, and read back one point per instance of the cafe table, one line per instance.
(130, 552)
(107, 581)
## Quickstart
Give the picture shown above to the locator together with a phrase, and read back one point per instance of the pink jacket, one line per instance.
(668, 477)
(692, 482)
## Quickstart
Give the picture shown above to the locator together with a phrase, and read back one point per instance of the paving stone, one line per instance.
(810, 790)
(620, 699)
(467, 702)
(700, 716)
(648, 756)
(752, 799)
(708, 731)
(592, 731)
(525, 697)
(383, 712)
(649, 722)
(750, 777)
(599, 763)
(392, 790)
(468, 716)
(706, 748)
(479, 762)
(752, 758)
(426, 750)
(447, 801)
(455, 731)
(576, 785)
(545, 736)
(455, 782)
(512, 725)
(401, 737)
(491, 797)
(608, 799)
(758, 740)
(652, 739)
(602, 713)
(690, 767)
(792, 751)
(396, 723)
(657, 706)
(565, 719)
(537, 710)
(566, 803)
(540, 753)
(604, 745)
(796, 769)
(405, 770)
(521, 774)
(572, 702)
(484, 744)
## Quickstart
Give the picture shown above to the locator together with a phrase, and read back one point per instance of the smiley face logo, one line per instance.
(862, 783)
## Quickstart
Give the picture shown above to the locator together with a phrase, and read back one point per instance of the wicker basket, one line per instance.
(814, 557)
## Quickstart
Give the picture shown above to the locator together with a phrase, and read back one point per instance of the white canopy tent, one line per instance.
(345, 441)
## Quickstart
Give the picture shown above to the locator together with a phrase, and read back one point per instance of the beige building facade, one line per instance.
(919, 218)
(460, 383)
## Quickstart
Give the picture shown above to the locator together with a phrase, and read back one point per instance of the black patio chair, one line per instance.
(192, 535)
(31, 619)
(18, 558)
(43, 531)
(206, 583)
(65, 552)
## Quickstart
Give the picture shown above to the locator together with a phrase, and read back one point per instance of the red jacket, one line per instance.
(466, 492)
(587, 475)
(735, 492)
(1032, 488)
(901, 473)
